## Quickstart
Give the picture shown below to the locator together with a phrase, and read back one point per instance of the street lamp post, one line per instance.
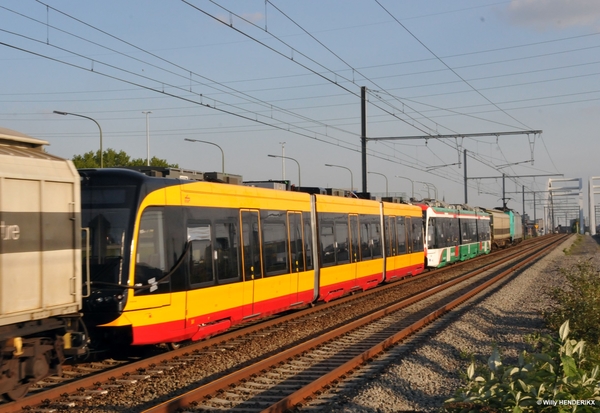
(214, 144)
(349, 170)
(435, 190)
(282, 160)
(297, 163)
(147, 138)
(386, 181)
(427, 184)
(93, 120)
(412, 183)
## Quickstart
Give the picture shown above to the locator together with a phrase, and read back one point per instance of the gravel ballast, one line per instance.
(423, 380)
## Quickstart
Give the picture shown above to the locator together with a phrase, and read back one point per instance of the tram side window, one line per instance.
(473, 229)
(443, 232)
(226, 252)
(483, 226)
(451, 232)
(201, 255)
(365, 242)
(433, 239)
(454, 231)
(391, 245)
(370, 238)
(274, 242)
(468, 230)
(307, 240)
(342, 243)
(389, 248)
(327, 244)
(354, 243)
(417, 234)
(250, 236)
(464, 231)
(439, 226)
(150, 263)
(296, 243)
(176, 249)
(401, 234)
(376, 239)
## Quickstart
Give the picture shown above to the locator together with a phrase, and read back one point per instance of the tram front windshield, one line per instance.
(107, 212)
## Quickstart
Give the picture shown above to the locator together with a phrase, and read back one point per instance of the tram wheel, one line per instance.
(16, 393)
(174, 346)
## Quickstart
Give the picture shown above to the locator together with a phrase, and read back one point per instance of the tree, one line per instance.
(112, 158)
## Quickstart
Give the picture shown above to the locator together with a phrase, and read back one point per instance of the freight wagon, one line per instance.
(40, 262)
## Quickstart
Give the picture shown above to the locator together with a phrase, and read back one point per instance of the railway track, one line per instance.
(280, 383)
(106, 385)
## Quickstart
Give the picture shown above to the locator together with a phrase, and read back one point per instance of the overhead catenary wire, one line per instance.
(333, 81)
(130, 45)
(372, 153)
(231, 90)
(353, 69)
(448, 67)
(290, 124)
(147, 78)
(497, 49)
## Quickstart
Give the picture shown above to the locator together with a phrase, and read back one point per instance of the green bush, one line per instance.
(556, 373)
(579, 302)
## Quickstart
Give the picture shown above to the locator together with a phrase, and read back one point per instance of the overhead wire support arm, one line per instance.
(365, 139)
(512, 176)
(430, 168)
(458, 135)
(513, 163)
(503, 177)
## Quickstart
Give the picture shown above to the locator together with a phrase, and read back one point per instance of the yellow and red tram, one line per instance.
(363, 243)
(175, 259)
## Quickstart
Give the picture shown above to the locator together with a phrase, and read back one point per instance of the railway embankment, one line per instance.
(422, 381)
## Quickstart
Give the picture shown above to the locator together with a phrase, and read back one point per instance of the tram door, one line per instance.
(414, 236)
(297, 260)
(251, 257)
(391, 247)
(409, 236)
(354, 246)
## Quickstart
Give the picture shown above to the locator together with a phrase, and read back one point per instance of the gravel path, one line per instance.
(422, 381)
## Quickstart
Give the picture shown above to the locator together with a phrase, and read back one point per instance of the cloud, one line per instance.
(554, 14)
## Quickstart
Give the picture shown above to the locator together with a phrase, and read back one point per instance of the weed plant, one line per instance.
(556, 374)
(561, 368)
(578, 301)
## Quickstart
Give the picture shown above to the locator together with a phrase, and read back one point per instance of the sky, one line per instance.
(284, 78)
